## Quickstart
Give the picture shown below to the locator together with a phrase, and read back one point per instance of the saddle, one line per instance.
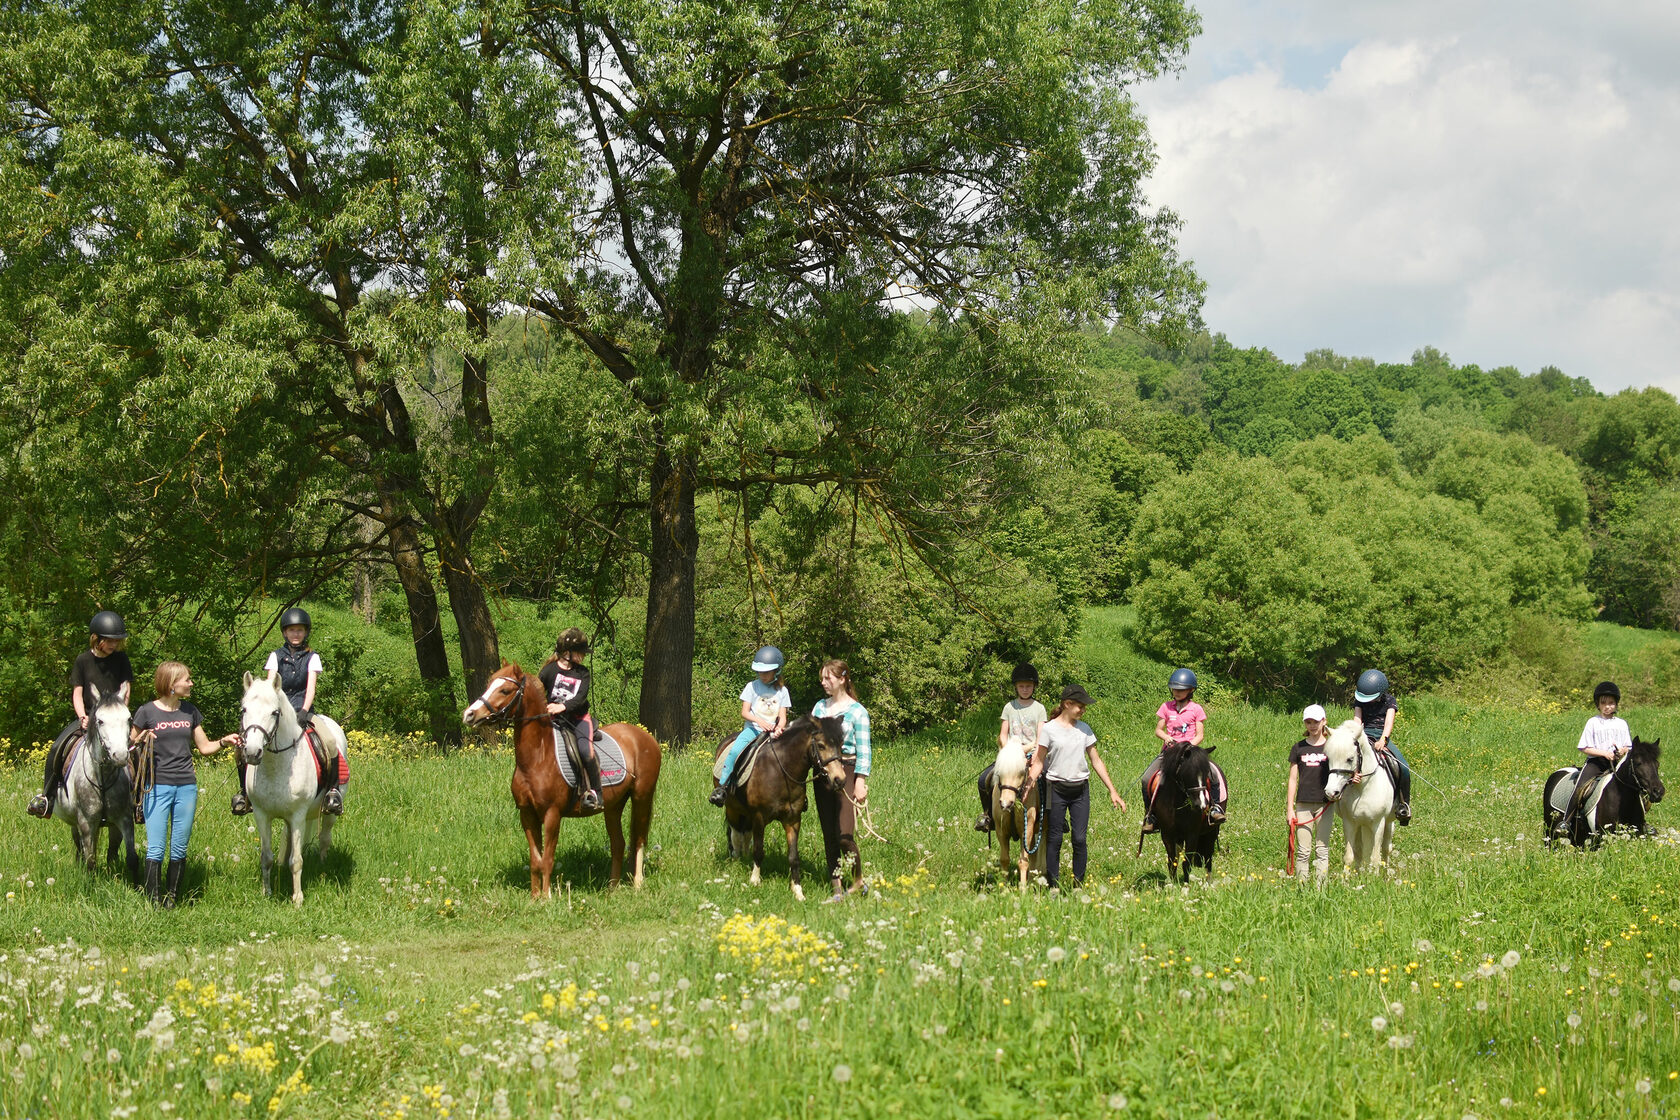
(1563, 795)
(318, 752)
(1390, 766)
(608, 754)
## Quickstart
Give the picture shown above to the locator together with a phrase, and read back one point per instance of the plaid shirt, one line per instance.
(855, 719)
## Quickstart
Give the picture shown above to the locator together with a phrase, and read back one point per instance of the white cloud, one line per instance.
(1375, 178)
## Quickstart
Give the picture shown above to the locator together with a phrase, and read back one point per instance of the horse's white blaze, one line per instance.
(482, 708)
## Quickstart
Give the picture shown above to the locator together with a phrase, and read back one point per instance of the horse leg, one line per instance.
(757, 854)
(641, 823)
(551, 840)
(132, 856)
(532, 824)
(294, 850)
(615, 840)
(1171, 844)
(326, 826)
(792, 830)
(265, 825)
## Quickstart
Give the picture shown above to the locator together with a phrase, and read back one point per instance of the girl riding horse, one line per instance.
(565, 681)
(103, 665)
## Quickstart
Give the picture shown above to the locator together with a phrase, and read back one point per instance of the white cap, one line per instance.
(1314, 711)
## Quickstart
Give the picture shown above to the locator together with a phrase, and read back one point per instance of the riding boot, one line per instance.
(241, 801)
(41, 805)
(592, 775)
(172, 883)
(154, 868)
(333, 802)
(1149, 825)
(1403, 788)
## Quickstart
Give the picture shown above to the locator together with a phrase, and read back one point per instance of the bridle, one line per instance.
(270, 734)
(505, 715)
(1196, 794)
(1358, 771)
(1637, 784)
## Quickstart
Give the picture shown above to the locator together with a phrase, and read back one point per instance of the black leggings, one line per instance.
(1067, 800)
(839, 823)
(53, 772)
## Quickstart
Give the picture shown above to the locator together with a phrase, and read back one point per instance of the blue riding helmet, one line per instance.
(1372, 684)
(1182, 678)
(768, 659)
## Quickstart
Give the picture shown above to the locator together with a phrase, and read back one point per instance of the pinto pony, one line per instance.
(540, 791)
(1183, 801)
(98, 791)
(1012, 790)
(1367, 812)
(775, 791)
(1629, 792)
(282, 782)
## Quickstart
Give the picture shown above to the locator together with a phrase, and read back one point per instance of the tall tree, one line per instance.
(764, 177)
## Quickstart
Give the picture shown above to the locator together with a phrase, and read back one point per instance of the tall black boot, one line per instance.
(592, 775)
(154, 868)
(241, 801)
(172, 883)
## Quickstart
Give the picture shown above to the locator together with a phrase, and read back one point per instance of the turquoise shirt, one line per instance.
(855, 719)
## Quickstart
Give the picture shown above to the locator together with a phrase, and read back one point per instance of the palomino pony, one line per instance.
(1633, 787)
(1183, 801)
(775, 790)
(1367, 814)
(1012, 790)
(540, 790)
(99, 793)
(282, 780)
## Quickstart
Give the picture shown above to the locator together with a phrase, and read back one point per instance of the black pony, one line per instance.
(1182, 802)
(1634, 786)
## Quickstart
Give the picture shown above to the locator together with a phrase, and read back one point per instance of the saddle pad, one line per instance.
(313, 737)
(607, 752)
(1564, 792)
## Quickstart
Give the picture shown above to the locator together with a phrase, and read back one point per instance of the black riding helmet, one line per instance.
(295, 616)
(108, 624)
(1607, 688)
(1024, 672)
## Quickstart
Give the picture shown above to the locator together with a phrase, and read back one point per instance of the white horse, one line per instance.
(98, 791)
(281, 779)
(1011, 790)
(1367, 814)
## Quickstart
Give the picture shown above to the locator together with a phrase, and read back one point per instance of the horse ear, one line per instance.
(93, 691)
(249, 677)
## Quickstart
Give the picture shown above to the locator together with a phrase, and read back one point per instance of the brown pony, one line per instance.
(775, 791)
(540, 791)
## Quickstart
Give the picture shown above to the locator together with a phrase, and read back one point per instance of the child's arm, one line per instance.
(752, 717)
(1196, 733)
(1003, 733)
(309, 690)
(77, 703)
(1289, 794)
(1161, 730)
(1102, 772)
(781, 721)
(1388, 728)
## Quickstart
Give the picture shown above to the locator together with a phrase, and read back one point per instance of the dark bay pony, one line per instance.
(516, 697)
(1181, 810)
(775, 791)
(1633, 787)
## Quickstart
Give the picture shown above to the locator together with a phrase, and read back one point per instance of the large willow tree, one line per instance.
(261, 212)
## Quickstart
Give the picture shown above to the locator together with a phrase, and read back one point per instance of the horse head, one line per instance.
(822, 747)
(261, 718)
(1010, 773)
(1642, 761)
(1190, 769)
(501, 697)
(1345, 752)
(108, 727)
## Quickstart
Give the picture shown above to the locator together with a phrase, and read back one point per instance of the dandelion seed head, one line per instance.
(1117, 1102)
(1379, 1023)
(843, 1072)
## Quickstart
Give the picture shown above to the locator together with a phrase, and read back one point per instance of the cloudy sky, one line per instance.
(1498, 179)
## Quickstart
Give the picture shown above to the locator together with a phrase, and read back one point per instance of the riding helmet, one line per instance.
(1182, 678)
(108, 624)
(571, 640)
(768, 659)
(295, 616)
(1372, 684)
(1024, 672)
(1607, 688)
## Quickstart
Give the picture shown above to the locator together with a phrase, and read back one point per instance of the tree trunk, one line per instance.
(668, 648)
(475, 628)
(431, 655)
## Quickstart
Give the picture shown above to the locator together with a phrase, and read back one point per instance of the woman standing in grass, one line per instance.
(1309, 816)
(1068, 757)
(837, 810)
(174, 727)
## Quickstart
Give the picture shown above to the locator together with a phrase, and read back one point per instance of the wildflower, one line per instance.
(1378, 1023)
(1117, 1101)
(1573, 1020)
(843, 1072)
(113, 1055)
(1055, 954)
(1481, 1005)
(1511, 958)
(1423, 945)
(339, 1035)
(1399, 1042)
(1674, 983)
(25, 1052)
(1642, 1086)
(1397, 1009)
(624, 1103)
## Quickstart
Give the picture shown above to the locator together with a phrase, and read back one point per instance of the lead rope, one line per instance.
(144, 776)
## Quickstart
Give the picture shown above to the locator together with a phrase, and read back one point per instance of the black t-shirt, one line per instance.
(109, 674)
(1313, 767)
(567, 686)
(172, 753)
(1371, 714)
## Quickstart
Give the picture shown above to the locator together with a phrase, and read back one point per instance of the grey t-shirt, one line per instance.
(172, 752)
(1064, 750)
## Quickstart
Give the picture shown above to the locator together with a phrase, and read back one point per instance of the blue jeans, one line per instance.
(1405, 790)
(732, 753)
(169, 810)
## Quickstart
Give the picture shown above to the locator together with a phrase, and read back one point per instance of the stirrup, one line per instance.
(1403, 813)
(333, 803)
(984, 824)
(1216, 815)
(592, 800)
(39, 806)
(1150, 828)
(240, 806)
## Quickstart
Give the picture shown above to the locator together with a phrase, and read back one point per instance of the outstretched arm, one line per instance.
(1102, 772)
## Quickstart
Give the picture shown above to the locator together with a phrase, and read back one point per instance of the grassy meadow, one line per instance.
(1485, 977)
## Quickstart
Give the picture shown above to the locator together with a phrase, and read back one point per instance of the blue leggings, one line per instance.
(732, 753)
(1405, 791)
(169, 810)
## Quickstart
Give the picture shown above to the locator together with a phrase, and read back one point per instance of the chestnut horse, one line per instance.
(540, 791)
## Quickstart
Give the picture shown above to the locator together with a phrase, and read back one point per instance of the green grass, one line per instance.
(938, 994)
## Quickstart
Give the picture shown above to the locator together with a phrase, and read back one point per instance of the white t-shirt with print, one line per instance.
(1064, 750)
(766, 700)
(1024, 720)
(1605, 734)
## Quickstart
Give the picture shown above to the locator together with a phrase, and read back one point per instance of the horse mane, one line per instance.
(1011, 763)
